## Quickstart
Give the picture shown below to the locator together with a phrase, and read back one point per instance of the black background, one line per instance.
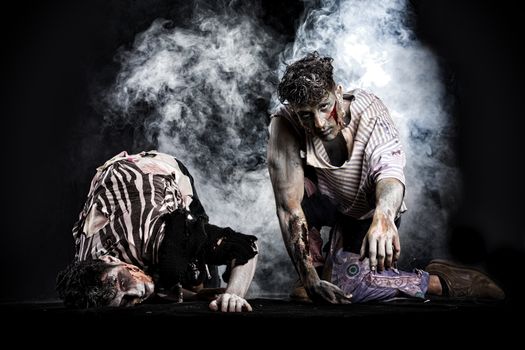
(56, 54)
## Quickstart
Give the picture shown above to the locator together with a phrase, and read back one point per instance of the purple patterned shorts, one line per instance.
(355, 277)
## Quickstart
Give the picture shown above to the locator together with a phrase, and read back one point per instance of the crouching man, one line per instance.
(143, 234)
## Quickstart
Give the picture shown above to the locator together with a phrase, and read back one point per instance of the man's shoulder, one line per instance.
(283, 119)
(362, 97)
(281, 110)
(282, 124)
(366, 104)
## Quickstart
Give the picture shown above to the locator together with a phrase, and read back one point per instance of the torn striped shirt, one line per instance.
(377, 153)
(128, 196)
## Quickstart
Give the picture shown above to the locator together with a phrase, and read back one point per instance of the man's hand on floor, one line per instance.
(230, 303)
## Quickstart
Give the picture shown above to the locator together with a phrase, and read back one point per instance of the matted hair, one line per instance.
(80, 284)
(307, 81)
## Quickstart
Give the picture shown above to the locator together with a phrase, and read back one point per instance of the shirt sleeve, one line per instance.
(385, 152)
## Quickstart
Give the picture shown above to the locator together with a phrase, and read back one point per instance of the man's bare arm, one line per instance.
(287, 176)
(382, 237)
(232, 300)
(389, 196)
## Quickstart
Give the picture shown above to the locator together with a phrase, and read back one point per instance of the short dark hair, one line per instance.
(80, 284)
(306, 81)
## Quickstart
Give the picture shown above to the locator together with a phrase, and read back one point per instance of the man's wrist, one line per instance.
(311, 279)
(388, 213)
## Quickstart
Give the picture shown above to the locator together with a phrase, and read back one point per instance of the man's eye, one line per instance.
(123, 284)
(123, 281)
(324, 106)
(306, 116)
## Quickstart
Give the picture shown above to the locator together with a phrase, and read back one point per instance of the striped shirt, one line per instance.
(127, 198)
(377, 153)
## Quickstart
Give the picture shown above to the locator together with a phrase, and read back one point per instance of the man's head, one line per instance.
(309, 88)
(106, 281)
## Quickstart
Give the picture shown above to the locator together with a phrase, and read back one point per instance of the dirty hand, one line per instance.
(325, 292)
(383, 243)
(230, 303)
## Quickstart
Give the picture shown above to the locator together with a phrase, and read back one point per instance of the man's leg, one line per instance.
(353, 276)
(438, 278)
(457, 281)
(434, 285)
(319, 212)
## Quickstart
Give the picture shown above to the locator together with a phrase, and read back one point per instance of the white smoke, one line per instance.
(375, 50)
(202, 93)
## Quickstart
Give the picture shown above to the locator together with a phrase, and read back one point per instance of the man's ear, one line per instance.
(341, 108)
(339, 91)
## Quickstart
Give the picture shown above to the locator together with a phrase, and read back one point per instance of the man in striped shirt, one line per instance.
(335, 159)
(144, 232)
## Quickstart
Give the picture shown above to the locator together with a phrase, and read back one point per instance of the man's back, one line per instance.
(128, 196)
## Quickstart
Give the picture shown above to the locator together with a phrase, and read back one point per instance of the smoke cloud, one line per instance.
(375, 49)
(203, 92)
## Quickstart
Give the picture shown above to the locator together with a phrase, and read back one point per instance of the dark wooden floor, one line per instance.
(272, 322)
(268, 309)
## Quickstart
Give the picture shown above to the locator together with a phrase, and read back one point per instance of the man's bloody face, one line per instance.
(321, 118)
(133, 285)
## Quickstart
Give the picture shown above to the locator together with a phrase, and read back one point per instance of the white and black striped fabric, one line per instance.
(122, 215)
